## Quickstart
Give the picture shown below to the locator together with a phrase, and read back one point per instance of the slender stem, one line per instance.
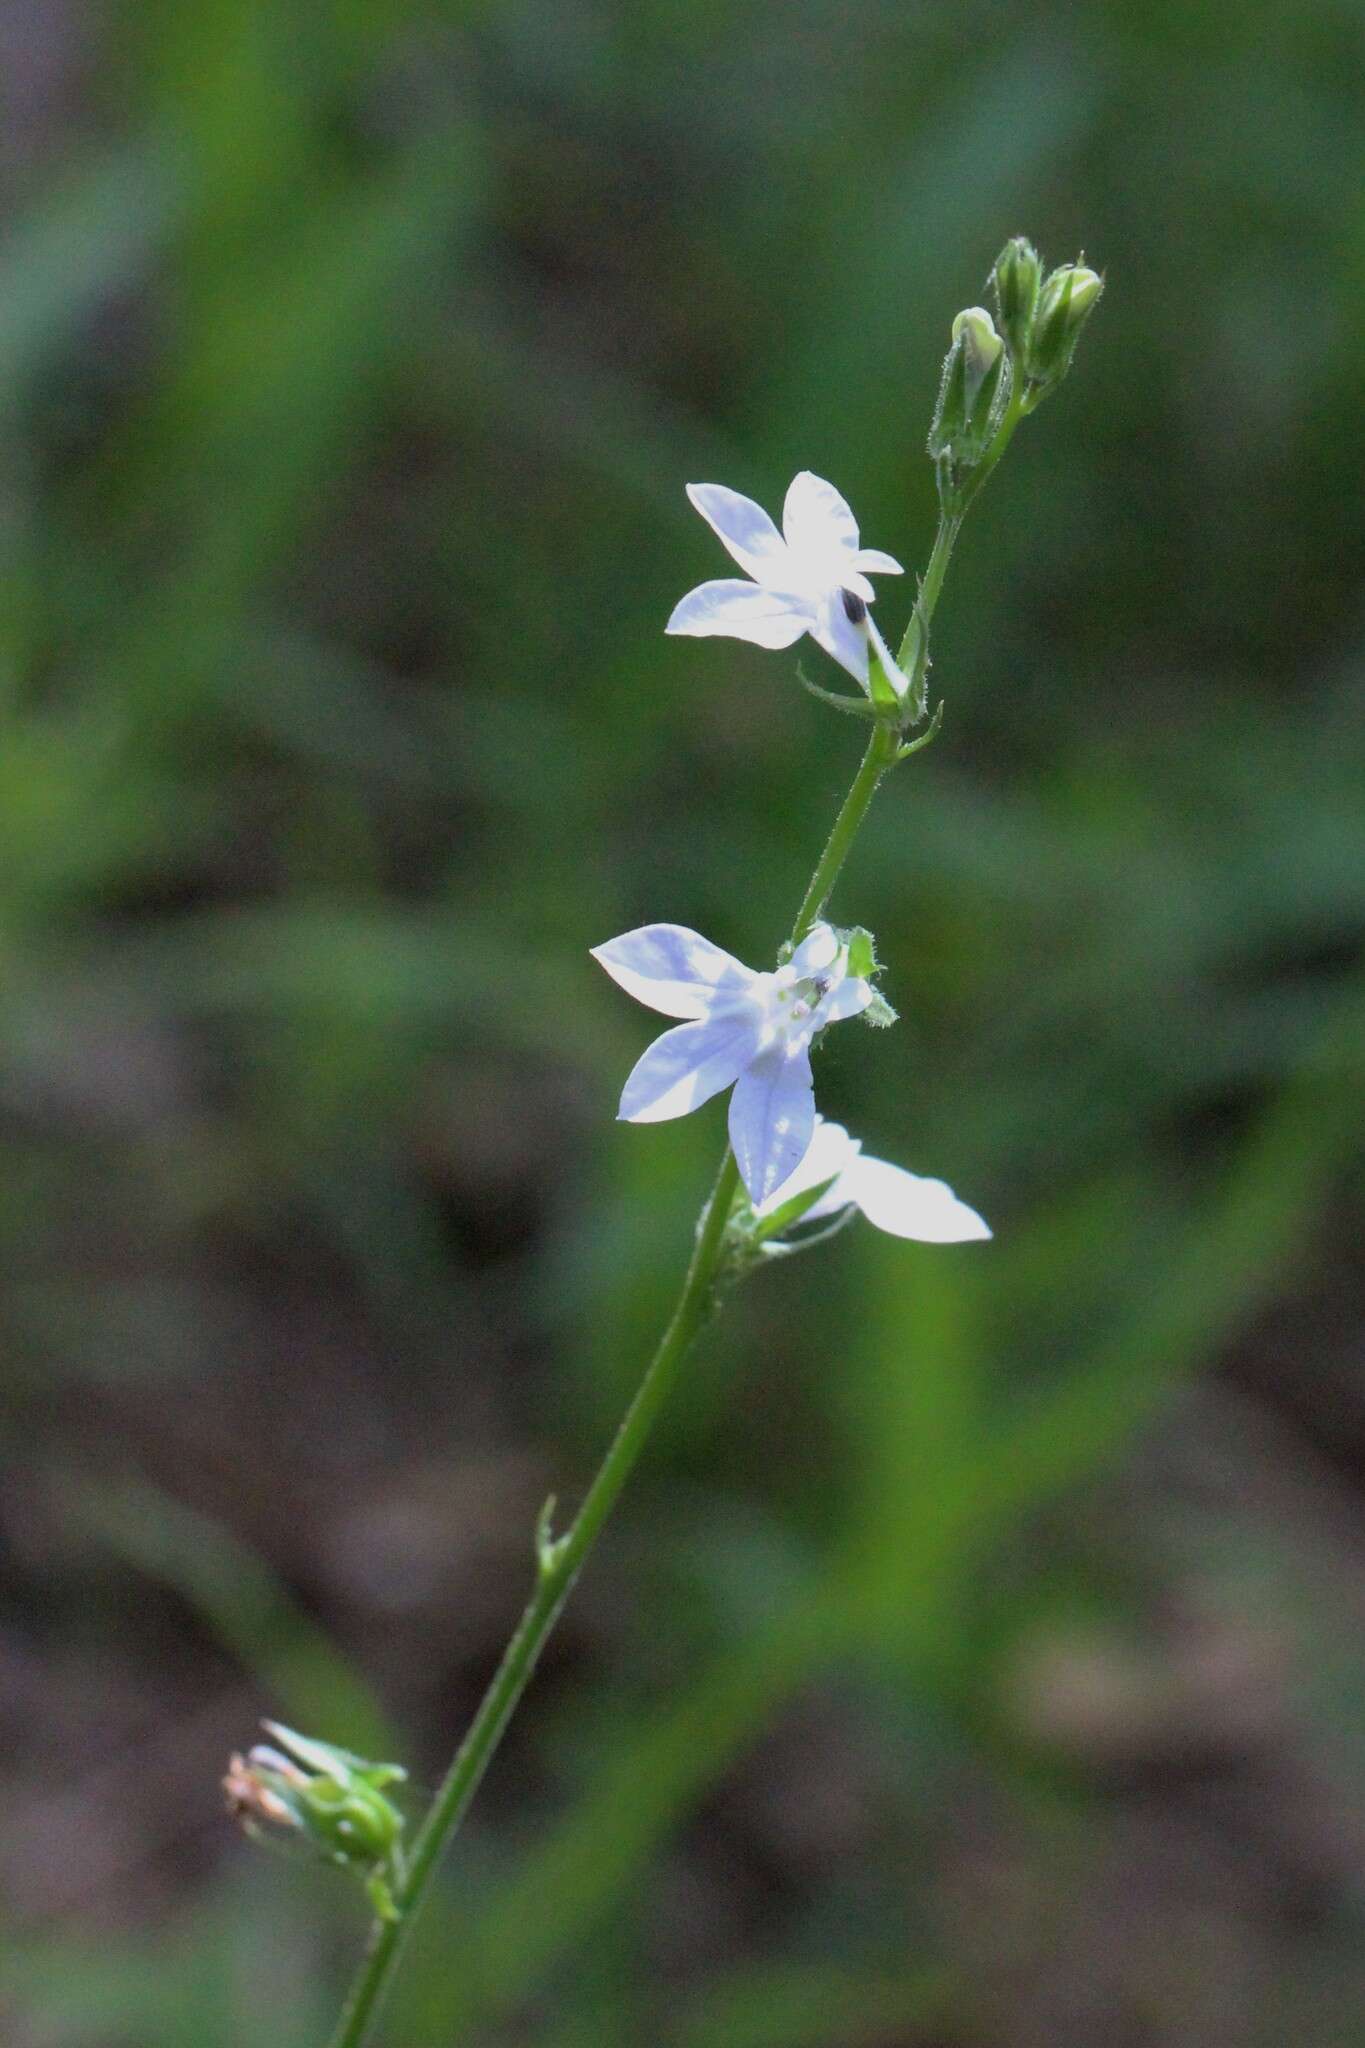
(948, 530)
(913, 648)
(1017, 405)
(560, 1560)
(881, 752)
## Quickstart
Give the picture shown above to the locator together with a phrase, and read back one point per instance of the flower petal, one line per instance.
(817, 951)
(909, 1206)
(816, 521)
(840, 637)
(688, 1065)
(830, 1151)
(742, 527)
(849, 999)
(772, 1116)
(672, 969)
(743, 610)
(874, 562)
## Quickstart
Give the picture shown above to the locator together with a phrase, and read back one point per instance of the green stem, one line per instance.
(914, 647)
(882, 746)
(559, 1565)
(1015, 409)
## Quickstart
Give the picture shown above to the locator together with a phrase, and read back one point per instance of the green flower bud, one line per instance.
(981, 345)
(1017, 276)
(1065, 303)
(964, 417)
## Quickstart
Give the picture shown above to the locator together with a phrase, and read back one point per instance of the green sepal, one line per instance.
(925, 738)
(986, 409)
(950, 411)
(885, 697)
(350, 1824)
(787, 1247)
(862, 952)
(879, 1012)
(857, 707)
(790, 1212)
(329, 1761)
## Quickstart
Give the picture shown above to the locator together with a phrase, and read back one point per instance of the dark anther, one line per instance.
(855, 611)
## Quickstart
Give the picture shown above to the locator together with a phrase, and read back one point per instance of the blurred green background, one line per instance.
(979, 1655)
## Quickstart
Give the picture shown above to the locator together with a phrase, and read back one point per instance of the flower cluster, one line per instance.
(742, 1028)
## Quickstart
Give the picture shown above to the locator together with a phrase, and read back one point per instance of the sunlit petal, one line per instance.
(743, 529)
(772, 1116)
(849, 999)
(830, 1151)
(672, 969)
(817, 951)
(874, 562)
(687, 1066)
(908, 1206)
(842, 637)
(816, 520)
(744, 611)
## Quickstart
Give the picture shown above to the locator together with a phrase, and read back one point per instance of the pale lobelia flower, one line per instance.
(749, 1028)
(902, 1203)
(810, 578)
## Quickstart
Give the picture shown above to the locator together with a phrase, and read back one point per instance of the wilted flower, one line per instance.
(752, 1029)
(902, 1203)
(810, 578)
(325, 1799)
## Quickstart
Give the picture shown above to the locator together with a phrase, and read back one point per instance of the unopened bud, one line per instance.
(1065, 303)
(1017, 276)
(964, 416)
(981, 345)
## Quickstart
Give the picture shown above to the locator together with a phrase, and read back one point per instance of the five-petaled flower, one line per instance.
(752, 1029)
(903, 1203)
(810, 578)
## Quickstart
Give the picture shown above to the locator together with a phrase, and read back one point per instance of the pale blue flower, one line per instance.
(742, 1027)
(810, 578)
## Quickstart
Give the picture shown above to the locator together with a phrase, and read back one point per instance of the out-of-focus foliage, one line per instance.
(977, 1658)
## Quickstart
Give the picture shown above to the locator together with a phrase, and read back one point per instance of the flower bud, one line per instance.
(981, 345)
(964, 416)
(1065, 303)
(1017, 276)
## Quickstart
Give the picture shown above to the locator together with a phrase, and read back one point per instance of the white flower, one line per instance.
(754, 1030)
(810, 578)
(888, 1196)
